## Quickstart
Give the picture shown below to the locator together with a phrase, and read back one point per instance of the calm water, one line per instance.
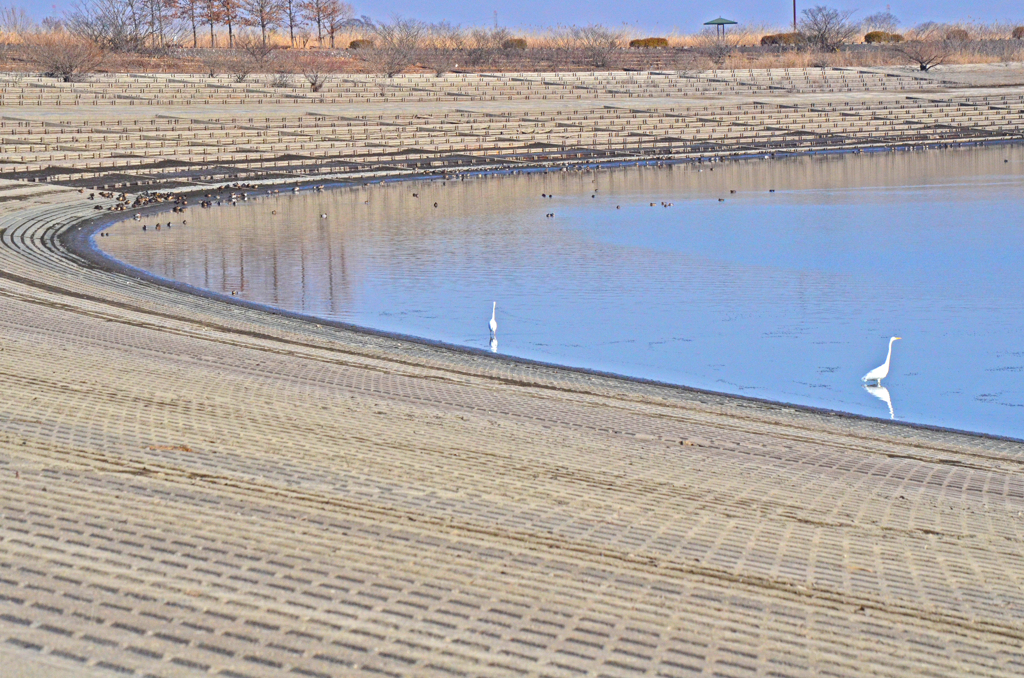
(789, 295)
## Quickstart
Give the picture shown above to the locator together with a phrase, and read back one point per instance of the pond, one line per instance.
(781, 279)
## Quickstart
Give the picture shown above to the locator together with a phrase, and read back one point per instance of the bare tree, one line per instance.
(216, 62)
(160, 17)
(240, 65)
(929, 30)
(231, 14)
(482, 44)
(314, 12)
(716, 47)
(925, 53)
(886, 22)
(293, 17)
(190, 11)
(15, 24)
(262, 14)
(444, 42)
(337, 16)
(115, 25)
(317, 67)
(683, 61)
(394, 45)
(827, 28)
(209, 13)
(595, 44)
(258, 51)
(15, 21)
(63, 55)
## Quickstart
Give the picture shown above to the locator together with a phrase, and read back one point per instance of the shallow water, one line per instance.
(789, 295)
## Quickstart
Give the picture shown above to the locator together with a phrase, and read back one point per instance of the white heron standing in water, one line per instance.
(882, 371)
(494, 323)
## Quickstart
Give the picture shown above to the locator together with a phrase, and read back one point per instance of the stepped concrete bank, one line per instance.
(191, 486)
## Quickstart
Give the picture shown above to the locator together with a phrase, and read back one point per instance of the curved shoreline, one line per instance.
(78, 240)
(189, 486)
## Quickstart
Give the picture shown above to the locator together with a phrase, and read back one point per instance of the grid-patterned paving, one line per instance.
(189, 90)
(190, 487)
(467, 122)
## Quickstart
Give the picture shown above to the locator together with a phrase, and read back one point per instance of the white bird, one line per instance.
(879, 373)
(494, 323)
(323, 216)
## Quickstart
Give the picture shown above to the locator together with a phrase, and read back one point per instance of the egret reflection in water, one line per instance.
(494, 344)
(882, 393)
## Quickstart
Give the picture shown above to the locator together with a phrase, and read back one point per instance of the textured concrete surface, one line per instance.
(143, 131)
(192, 487)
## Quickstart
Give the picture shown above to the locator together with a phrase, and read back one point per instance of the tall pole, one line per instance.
(794, 16)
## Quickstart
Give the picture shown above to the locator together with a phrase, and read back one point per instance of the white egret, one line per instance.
(494, 323)
(882, 371)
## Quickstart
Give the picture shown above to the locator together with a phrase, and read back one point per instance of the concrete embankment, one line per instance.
(190, 487)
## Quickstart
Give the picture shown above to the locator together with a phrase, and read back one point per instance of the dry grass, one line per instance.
(986, 43)
(744, 36)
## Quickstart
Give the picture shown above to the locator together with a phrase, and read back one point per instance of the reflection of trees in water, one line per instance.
(231, 249)
(383, 233)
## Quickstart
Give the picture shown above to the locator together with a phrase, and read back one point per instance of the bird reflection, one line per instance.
(493, 326)
(882, 393)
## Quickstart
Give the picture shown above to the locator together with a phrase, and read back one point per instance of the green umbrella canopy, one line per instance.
(720, 24)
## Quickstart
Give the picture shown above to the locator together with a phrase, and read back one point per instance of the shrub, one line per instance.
(958, 35)
(361, 44)
(62, 55)
(514, 43)
(316, 67)
(395, 45)
(281, 80)
(882, 36)
(1018, 33)
(789, 39)
(648, 43)
(926, 54)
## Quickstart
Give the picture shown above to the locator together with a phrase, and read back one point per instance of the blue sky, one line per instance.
(653, 15)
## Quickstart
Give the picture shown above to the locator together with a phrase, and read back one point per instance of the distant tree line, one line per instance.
(249, 35)
(137, 25)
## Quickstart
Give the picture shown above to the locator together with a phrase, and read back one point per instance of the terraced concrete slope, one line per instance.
(190, 487)
(142, 131)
